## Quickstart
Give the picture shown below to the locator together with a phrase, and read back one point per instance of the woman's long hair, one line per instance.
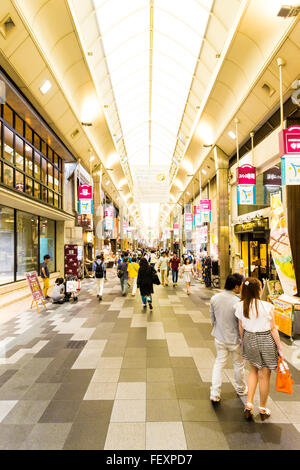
(251, 288)
(144, 264)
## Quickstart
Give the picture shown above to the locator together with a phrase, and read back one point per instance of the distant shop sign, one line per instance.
(85, 192)
(246, 174)
(289, 141)
(272, 177)
(290, 167)
(205, 210)
(85, 206)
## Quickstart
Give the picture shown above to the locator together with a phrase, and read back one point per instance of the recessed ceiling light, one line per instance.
(45, 87)
(232, 135)
(204, 172)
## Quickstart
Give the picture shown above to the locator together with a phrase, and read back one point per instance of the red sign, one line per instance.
(246, 174)
(205, 205)
(35, 287)
(109, 213)
(289, 141)
(176, 226)
(85, 192)
(197, 210)
(188, 217)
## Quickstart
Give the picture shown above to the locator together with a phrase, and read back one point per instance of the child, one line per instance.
(58, 293)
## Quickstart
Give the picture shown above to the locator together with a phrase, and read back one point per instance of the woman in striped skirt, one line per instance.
(260, 342)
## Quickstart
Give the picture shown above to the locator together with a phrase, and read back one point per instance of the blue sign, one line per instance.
(246, 195)
(85, 206)
(290, 168)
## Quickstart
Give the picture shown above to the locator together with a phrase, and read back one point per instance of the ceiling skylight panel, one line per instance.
(112, 11)
(169, 47)
(195, 12)
(129, 48)
(171, 65)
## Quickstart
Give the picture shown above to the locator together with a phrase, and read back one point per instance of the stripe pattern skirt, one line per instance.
(260, 349)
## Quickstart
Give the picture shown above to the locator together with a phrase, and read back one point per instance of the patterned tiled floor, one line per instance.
(109, 376)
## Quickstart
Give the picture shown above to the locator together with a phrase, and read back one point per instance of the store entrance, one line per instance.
(255, 256)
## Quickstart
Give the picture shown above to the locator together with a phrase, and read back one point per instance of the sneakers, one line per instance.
(242, 393)
(100, 298)
(150, 306)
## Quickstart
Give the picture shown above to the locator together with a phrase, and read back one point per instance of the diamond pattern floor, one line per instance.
(109, 376)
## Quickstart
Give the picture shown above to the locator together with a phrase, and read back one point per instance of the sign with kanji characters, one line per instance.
(290, 167)
(85, 206)
(85, 192)
(34, 285)
(246, 195)
(246, 174)
(289, 141)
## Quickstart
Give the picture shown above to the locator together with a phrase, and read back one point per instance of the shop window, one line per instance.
(8, 115)
(6, 245)
(56, 202)
(47, 242)
(19, 153)
(44, 171)
(37, 190)
(28, 159)
(56, 181)
(55, 159)
(50, 175)
(44, 194)
(50, 197)
(28, 133)
(27, 244)
(37, 166)
(50, 154)
(19, 181)
(36, 141)
(29, 186)
(8, 175)
(44, 148)
(8, 153)
(60, 182)
(19, 125)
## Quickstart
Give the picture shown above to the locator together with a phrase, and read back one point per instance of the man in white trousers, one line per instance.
(227, 338)
(100, 274)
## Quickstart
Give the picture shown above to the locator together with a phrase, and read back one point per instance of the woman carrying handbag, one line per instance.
(146, 278)
(260, 343)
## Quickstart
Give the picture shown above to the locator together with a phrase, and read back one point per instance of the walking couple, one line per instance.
(245, 329)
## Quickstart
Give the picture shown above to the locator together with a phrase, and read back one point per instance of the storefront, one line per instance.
(24, 241)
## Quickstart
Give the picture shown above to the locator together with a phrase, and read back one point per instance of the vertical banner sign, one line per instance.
(34, 286)
(289, 150)
(197, 216)
(205, 210)
(246, 195)
(281, 247)
(85, 199)
(188, 222)
(109, 218)
(176, 230)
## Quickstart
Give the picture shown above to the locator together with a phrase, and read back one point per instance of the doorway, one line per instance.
(255, 255)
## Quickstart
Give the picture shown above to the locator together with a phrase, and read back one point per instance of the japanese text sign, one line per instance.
(85, 192)
(34, 285)
(246, 174)
(246, 195)
(289, 141)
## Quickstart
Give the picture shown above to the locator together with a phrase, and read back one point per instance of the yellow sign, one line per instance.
(283, 315)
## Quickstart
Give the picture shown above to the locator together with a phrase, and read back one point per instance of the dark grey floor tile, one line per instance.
(187, 375)
(197, 410)
(183, 362)
(8, 374)
(47, 436)
(280, 436)
(87, 436)
(71, 391)
(163, 410)
(41, 391)
(204, 436)
(193, 391)
(158, 361)
(78, 376)
(26, 412)
(60, 411)
(243, 435)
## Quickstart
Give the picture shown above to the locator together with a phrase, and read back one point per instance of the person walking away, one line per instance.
(188, 273)
(145, 282)
(124, 278)
(163, 266)
(100, 274)
(227, 337)
(133, 269)
(260, 341)
(175, 263)
(58, 293)
(153, 259)
(45, 275)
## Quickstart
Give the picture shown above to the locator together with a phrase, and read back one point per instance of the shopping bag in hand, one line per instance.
(284, 382)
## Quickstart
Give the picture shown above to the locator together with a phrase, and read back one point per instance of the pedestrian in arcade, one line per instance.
(175, 263)
(260, 341)
(145, 282)
(227, 337)
(100, 274)
(133, 269)
(123, 273)
(163, 265)
(188, 274)
(45, 275)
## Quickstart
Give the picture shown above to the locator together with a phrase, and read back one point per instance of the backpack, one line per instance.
(99, 273)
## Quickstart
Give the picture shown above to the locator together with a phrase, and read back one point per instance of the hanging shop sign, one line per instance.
(281, 247)
(272, 177)
(85, 206)
(85, 192)
(289, 141)
(246, 195)
(188, 222)
(197, 216)
(109, 218)
(176, 229)
(35, 287)
(205, 210)
(203, 234)
(290, 167)
(246, 174)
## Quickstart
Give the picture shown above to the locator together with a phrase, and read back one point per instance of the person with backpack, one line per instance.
(133, 269)
(123, 275)
(99, 273)
(145, 282)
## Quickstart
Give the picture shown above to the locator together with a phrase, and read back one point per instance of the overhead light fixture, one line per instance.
(92, 158)
(46, 87)
(289, 11)
(232, 135)
(204, 172)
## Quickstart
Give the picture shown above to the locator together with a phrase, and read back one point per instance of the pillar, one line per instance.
(222, 165)
(121, 215)
(98, 213)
